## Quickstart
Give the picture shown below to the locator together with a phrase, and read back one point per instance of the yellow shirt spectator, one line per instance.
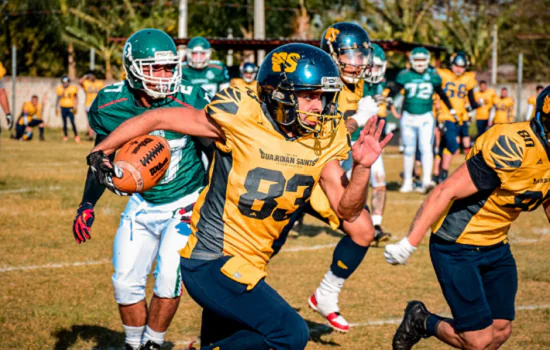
(486, 100)
(504, 110)
(2, 71)
(29, 112)
(91, 88)
(67, 95)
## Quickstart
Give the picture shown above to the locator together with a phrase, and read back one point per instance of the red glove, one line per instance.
(83, 221)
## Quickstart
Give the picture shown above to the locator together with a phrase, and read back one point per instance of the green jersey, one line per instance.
(212, 78)
(419, 89)
(369, 90)
(116, 103)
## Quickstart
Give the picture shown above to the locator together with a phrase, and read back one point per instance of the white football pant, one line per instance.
(418, 127)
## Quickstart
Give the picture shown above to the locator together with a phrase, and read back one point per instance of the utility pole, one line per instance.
(182, 23)
(92, 58)
(259, 27)
(494, 65)
(520, 81)
(13, 79)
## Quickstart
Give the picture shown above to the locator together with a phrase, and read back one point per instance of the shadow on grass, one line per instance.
(317, 330)
(104, 338)
(313, 231)
(393, 186)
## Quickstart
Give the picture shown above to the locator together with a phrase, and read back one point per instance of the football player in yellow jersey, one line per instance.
(66, 105)
(503, 109)
(248, 77)
(459, 87)
(272, 148)
(485, 98)
(507, 172)
(31, 115)
(532, 102)
(91, 86)
(4, 99)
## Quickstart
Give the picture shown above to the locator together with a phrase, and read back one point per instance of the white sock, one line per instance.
(408, 166)
(427, 167)
(377, 220)
(133, 335)
(331, 284)
(157, 337)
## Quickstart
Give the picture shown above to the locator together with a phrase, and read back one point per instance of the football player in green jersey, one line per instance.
(417, 122)
(154, 225)
(212, 76)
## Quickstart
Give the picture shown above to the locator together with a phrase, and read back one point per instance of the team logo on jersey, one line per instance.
(210, 75)
(426, 76)
(506, 154)
(331, 34)
(546, 105)
(285, 61)
(287, 159)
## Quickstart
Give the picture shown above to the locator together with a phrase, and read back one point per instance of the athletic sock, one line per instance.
(157, 337)
(376, 220)
(433, 321)
(41, 129)
(444, 174)
(133, 335)
(408, 166)
(347, 257)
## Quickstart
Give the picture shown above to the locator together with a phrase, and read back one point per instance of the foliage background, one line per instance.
(51, 33)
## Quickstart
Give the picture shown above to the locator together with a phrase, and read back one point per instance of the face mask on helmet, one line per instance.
(285, 108)
(420, 62)
(354, 64)
(378, 71)
(152, 73)
(248, 72)
(198, 57)
(459, 63)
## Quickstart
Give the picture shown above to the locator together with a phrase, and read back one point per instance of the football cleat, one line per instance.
(406, 188)
(330, 311)
(413, 326)
(77, 139)
(150, 345)
(380, 235)
(65, 138)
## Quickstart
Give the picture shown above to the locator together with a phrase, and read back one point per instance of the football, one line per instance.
(144, 161)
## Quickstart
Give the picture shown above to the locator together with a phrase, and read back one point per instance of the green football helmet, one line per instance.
(150, 48)
(379, 63)
(420, 59)
(198, 52)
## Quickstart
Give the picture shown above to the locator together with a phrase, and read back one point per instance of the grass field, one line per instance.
(56, 294)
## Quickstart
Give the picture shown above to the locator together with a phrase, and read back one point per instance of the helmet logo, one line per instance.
(331, 34)
(129, 50)
(546, 105)
(287, 60)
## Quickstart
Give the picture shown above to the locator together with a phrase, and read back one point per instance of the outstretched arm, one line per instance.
(348, 199)
(188, 121)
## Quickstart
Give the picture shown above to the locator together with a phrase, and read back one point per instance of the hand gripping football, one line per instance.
(144, 161)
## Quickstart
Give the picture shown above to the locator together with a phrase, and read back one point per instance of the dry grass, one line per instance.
(73, 306)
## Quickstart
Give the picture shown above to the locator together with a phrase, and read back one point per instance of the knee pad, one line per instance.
(128, 292)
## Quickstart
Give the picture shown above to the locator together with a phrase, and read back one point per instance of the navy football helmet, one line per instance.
(350, 47)
(249, 68)
(542, 115)
(300, 67)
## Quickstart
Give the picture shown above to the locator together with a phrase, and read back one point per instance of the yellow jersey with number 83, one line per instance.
(258, 178)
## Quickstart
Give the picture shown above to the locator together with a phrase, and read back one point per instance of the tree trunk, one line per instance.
(108, 69)
(71, 62)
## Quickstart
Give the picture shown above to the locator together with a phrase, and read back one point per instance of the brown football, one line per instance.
(144, 161)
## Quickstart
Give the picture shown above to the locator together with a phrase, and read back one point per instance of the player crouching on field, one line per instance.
(31, 116)
(154, 225)
(470, 215)
(272, 148)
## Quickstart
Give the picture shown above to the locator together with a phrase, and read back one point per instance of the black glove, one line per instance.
(104, 169)
(83, 221)
(9, 120)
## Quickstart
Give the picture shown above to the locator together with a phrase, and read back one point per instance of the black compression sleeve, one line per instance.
(443, 96)
(472, 99)
(92, 189)
(394, 89)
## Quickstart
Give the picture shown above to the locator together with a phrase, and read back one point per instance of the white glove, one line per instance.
(453, 113)
(400, 252)
(481, 102)
(366, 109)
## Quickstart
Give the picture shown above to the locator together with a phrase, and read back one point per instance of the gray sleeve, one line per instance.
(2, 83)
